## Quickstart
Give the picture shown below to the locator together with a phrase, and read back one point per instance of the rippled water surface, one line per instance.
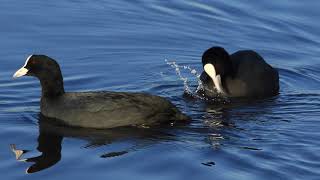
(122, 46)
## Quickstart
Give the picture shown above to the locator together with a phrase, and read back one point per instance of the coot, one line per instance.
(95, 109)
(243, 74)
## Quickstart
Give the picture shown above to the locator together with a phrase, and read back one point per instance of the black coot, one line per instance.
(95, 109)
(242, 74)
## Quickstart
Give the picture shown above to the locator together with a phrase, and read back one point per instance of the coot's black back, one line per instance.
(261, 79)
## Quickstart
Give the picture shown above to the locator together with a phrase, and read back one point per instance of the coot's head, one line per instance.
(217, 64)
(40, 66)
(47, 70)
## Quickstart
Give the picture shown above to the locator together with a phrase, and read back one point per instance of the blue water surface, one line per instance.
(122, 46)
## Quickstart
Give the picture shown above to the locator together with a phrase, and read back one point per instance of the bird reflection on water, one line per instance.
(51, 135)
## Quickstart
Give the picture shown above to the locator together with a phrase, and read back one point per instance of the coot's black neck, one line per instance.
(52, 86)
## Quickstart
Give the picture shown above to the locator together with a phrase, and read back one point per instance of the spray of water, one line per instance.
(187, 89)
(186, 85)
(178, 72)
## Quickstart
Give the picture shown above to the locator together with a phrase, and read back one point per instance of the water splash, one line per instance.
(186, 85)
(178, 72)
(187, 88)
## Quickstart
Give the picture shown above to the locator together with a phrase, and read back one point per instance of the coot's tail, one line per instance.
(179, 116)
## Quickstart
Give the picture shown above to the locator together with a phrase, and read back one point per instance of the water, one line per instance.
(122, 46)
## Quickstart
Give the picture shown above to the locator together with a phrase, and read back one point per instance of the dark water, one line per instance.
(122, 46)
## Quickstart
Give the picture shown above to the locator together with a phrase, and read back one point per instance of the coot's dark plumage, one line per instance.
(243, 74)
(95, 109)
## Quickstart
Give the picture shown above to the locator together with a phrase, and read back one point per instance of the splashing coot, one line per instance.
(242, 74)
